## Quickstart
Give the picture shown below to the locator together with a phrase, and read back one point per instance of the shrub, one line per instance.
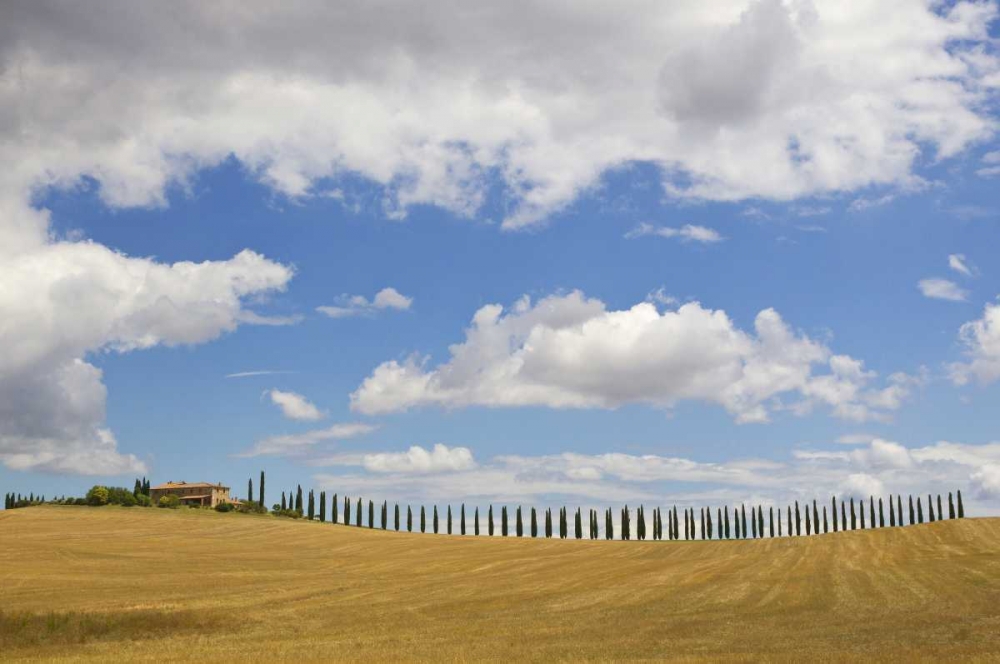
(79, 501)
(291, 514)
(250, 508)
(170, 501)
(97, 496)
(224, 507)
(143, 500)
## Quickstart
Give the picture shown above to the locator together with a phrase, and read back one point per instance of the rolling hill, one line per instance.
(113, 583)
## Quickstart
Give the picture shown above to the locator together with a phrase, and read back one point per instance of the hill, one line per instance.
(112, 583)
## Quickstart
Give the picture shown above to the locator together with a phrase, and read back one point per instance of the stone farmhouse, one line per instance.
(193, 493)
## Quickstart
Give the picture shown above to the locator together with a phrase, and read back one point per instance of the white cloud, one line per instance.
(686, 233)
(987, 481)
(981, 339)
(300, 443)
(992, 157)
(358, 305)
(856, 439)
(862, 485)
(862, 204)
(418, 460)
(569, 351)
(295, 406)
(63, 301)
(942, 289)
(959, 263)
(251, 374)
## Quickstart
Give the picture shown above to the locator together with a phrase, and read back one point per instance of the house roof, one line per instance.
(188, 485)
(207, 495)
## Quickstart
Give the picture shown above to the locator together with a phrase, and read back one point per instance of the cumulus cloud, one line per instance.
(942, 289)
(63, 301)
(358, 305)
(686, 233)
(987, 481)
(419, 460)
(981, 341)
(570, 351)
(959, 263)
(301, 443)
(295, 406)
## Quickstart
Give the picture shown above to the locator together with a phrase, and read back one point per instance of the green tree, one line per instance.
(920, 511)
(578, 524)
(249, 489)
(563, 525)
(312, 505)
(727, 522)
(853, 516)
(260, 490)
(861, 509)
(708, 520)
(825, 530)
(489, 521)
(760, 521)
(843, 515)
(358, 515)
(461, 526)
(951, 506)
(334, 517)
(322, 506)
(371, 513)
(534, 523)
(912, 519)
(961, 508)
(892, 513)
(808, 531)
(609, 526)
(449, 519)
(409, 519)
(930, 508)
(871, 510)
(519, 524)
(881, 514)
(798, 520)
(395, 520)
(435, 520)
(137, 491)
(940, 512)
(298, 499)
(97, 496)
(753, 522)
(385, 515)
(423, 520)
(815, 517)
(347, 511)
(719, 515)
(503, 521)
(475, 523)
(284, 506)
(833, 512)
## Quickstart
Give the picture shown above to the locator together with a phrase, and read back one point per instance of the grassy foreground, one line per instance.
(112, 583)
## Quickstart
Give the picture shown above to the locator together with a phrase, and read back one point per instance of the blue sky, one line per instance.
(834, 231)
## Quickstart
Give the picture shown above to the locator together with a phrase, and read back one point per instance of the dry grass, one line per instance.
(146, 584)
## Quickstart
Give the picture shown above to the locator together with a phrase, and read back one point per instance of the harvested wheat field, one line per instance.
(148, 584)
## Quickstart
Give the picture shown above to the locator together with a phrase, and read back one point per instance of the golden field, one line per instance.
(112, 584)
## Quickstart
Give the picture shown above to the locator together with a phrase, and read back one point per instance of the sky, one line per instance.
(691, 253)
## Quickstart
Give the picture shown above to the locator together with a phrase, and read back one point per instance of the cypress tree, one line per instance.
(503, 521)
(260, 490)
(892, 513)
(760, 521)
(930, 508)
(708, 521)
(435, 519)
(409, 519)
(719, 515)
(833, 512)
(861, 509)
(462, 524)
(136, 490)
(563, 524)
(610, 532)
(347, 511)
(815, 518)
(534, 523)
(489, 521)
(843, 515)
(685, 524)
(358, 516)
(871, 510)
(670, 525)
(475, 524)
(770, 520)
(940, 512)
(283, 505)
(798, 520)
(912, 519)
(808, 529)
(881, 514)
(961, 508)
(322, 506)
(519, 526)
(298, 499)
(371, 513)
(791, 532)
(951, 506)
(899, 508)
(677, 528)
(333, 514)
(312, 505)
(548, 522)
(449, 519)
(743, 529)
(385, 514)
(727, 522)
(825, 529)
(854, 524)
(920, 511)
(423, 519)
(396, 520)
(578, 525)
(753, 523)
(249, 489)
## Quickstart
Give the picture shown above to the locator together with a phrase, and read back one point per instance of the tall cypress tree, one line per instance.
(312, 505)
(435, 519)
(578, 525)
(881, 514)
(899, 508)
(610, 532)
(912, 516)
(423, 519)
(861, 509)
(462, 526)
(518, 525)
(136, 490)
(298, 499)
(808, 529)
(396, 519)
(475, 524)
(347, 511)
(333, 513)
(409, 519)
(727, 521)
(489, 521)
(961, 508)
(249, 489)
(385, 514)
(677, 528)
(753, 522)
(951, 506)
(854, 524)
(503, 521)
(358, 517)
(825, 529)
(708, 521)
(892, 513)
(871, 510)
(843, 515)
(920, 511)
(322, 506)
(283, 505)
(719, 515)
(833, 512)
(940, 512)
(798, 520)
(779, 522)
(626, 526)
(260, 490)
(534, 523)
(449, 519)
(930, 508)
(743, 512)
(760, 521)
(670, 525)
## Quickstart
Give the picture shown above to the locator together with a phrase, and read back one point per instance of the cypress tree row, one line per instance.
(961, 508)
(519, 526)
(951, 506)
(489, 521)
(833, 512)
(435, 520)
(423, 519)
(449, 519)
(333, 513)
(881, 514)
(534, 523)
(409, 519)
(475, 523)
(260, 491)
(578, 524)
(920, 511)
(397, 517)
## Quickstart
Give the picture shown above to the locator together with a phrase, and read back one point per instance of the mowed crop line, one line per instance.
(255, 586)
